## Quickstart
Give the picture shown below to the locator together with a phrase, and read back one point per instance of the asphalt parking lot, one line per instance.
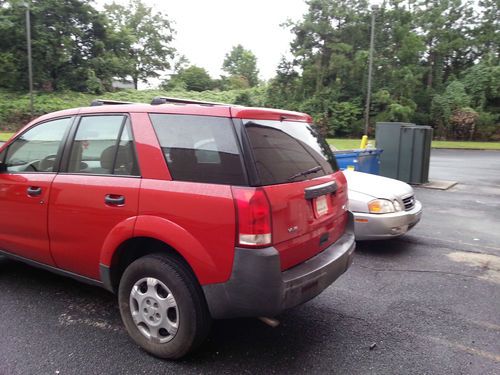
(427, 303)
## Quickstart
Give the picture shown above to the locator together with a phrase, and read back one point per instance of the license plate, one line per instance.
(321, 205)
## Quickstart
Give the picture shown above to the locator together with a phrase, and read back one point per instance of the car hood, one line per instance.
(377, 186)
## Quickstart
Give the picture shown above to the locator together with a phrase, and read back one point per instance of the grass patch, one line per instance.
(349, 144)
(344, 144)
(5, 136)
(467, 145)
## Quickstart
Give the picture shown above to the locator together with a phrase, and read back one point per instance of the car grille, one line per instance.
(409, 202)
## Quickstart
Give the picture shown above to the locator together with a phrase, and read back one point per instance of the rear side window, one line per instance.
(286, 151)
(103, 145)
(199, 148)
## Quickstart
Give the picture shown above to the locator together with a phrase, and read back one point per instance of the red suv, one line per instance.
(187, 210)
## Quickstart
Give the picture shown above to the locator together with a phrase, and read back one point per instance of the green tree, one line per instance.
(242, 64)
(486, 40)
(142, 39)
(421, 48)
(8, 70)
(482, 82)
(447, 27)
(192, 78)
(67, 41)
(450, 103)
(330, 49)
(327, 44)
(283, 89)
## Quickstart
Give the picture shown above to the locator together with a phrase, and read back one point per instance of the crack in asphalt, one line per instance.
(434, 240)
(417, 271)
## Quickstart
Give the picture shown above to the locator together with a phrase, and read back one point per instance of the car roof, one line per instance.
(219, 110)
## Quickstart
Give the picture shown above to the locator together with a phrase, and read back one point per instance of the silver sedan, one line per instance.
(382, 207)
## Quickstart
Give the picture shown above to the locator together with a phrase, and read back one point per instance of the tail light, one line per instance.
(254, 217)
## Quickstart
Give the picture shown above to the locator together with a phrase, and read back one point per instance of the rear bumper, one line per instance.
(258, 287)
(384, 226)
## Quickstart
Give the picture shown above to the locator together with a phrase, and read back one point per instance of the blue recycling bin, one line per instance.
(361, 160)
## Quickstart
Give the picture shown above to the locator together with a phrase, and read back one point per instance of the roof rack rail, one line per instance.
(99, 102)
(164, 100)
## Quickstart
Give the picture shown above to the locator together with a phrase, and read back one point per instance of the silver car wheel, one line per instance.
(154, 310)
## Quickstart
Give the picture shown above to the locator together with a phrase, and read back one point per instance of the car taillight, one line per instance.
(254, 217)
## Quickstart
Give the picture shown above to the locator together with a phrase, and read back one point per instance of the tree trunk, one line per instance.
(430, 73)
(319, 73)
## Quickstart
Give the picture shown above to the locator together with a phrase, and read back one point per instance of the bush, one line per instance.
(463, 123)
(488, 127)
(192, 78)
(14, 107)
(344, 118)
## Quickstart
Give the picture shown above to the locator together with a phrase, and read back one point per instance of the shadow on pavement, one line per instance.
(304, 331)
(384, 248)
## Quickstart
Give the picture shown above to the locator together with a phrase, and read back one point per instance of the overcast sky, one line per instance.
(207, 30)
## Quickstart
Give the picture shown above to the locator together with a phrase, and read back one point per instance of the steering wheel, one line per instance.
(47, 163)
(31, 167)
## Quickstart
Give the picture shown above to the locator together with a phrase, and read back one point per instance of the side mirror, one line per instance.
(3, 167)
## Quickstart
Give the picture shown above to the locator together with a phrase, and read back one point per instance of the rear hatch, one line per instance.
(307, 193)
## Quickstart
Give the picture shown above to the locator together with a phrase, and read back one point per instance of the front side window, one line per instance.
(103, 145)
(199, 148)
(36, 150)
(287, 151)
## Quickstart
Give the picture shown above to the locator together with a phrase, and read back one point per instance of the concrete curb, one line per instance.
(438, 185)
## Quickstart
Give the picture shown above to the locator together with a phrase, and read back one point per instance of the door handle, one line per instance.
(114, 200)
(34, 191)
(319, 190)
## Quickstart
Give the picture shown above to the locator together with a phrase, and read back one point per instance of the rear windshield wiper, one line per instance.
(305, 173)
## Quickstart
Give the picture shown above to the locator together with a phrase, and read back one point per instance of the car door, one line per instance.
(96, 192)
(31, 163)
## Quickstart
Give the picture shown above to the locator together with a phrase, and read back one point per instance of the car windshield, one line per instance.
(286, 151)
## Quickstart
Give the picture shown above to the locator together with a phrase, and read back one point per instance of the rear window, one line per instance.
(199, 148)
(287, 151)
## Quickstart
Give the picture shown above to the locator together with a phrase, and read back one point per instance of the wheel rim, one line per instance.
(154, 310)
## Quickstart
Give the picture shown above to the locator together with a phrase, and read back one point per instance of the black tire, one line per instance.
(194, 319)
